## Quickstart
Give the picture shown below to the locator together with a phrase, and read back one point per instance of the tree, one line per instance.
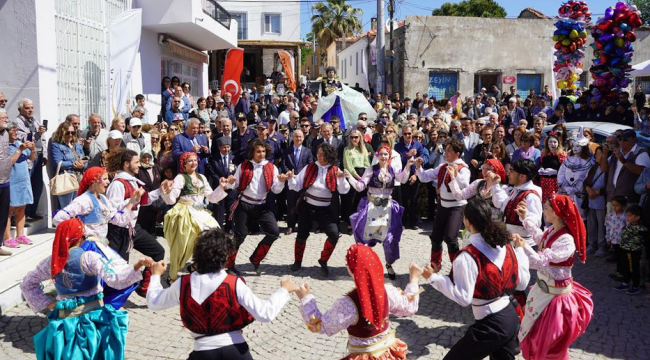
(472, 8)
(333, 20)
(306, 50)
(644, 8)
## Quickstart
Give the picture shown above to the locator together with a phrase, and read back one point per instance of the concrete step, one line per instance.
(24, 259)
(35, 227)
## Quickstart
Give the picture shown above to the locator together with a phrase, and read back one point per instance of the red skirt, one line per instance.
(549, 186)
(396, 352)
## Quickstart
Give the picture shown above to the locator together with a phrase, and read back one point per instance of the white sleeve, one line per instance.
(213, 196)
(643, 160)
(499, 196)
(115, 194)
(295, 183)
(534, 206)
(523, 269)
(402, 175)
(362, 183)
(429, 175)
(161, 299)
(342, 185)
(463, 177)
(461, 290)
(262, 310)
(175, 192)
(277, 185)
(81, 205)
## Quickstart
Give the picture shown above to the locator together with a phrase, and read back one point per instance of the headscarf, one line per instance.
(184, 158)
(91, 176)
(68, 233)
(142, 154)
(369, 280)
(498, 168)
(387, 148)
(567, 210)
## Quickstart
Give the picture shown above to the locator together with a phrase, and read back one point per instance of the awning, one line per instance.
(642, 69)
(186, 51)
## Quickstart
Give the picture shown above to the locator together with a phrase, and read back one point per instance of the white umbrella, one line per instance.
(642, 69)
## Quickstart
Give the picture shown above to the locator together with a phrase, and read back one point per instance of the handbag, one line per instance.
(585, 196)
(63, 184)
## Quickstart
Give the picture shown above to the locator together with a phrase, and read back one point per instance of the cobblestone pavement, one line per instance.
(618, 331)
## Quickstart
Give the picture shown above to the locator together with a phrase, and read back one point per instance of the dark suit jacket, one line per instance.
(336, 143)
(219, 169)
(413, 110)
(375, 142)
(400, 148)
(289, 162)
(272, 109)
(182, 143)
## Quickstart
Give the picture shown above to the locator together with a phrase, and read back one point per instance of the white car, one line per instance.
(602, 130)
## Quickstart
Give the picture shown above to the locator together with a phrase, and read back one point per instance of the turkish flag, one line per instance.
(232, 73)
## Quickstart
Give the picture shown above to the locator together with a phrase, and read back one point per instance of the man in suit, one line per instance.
(223, 165)
(407, 149)
(408, 108)
(326, 133)
(313, 133)
(272, 107)
(295, 157)
(189, 141)
(469, 138)
(243, 105)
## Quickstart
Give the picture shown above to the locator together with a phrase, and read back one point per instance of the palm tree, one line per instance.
(333, 20)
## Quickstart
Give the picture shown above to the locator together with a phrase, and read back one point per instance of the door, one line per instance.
(525, 82)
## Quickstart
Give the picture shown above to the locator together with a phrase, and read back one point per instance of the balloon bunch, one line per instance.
(613, 35)
(570, 38)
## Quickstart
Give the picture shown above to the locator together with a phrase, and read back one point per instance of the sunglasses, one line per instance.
(304, 125)
(384, 117)
(407, 134)
(70, 133)
(173, 128)
(622, 139)
(3, 100)
(418, 137)
(295, 117)
(354, 137)
(154, 139)
(362, 129)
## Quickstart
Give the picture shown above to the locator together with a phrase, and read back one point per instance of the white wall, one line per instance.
(348, 75)
(254, 9)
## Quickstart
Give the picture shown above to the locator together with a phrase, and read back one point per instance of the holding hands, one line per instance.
(415, 271)
(517, 240)
(521, 209)
(302, 291)
(145, 261)
(418, 162)
(159, 268)
(288, 284)
(429, 270)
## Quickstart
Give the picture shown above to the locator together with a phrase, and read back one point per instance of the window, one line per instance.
(485, 80)
(272, 23)
(644, 81)
(525, 82)
(356, 62)
(442, 85)
(242, 27)
(187, 72)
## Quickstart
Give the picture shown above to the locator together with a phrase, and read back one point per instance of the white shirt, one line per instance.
(202, 286)
(500, 199)
(283, 118)
(428, 113)
(257, 188)
(462, 178)
(319, 188)
(115, 193)
(641, 160)
(461, 290)
(395, 163)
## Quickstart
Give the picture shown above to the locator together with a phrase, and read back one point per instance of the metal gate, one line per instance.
(82, 47)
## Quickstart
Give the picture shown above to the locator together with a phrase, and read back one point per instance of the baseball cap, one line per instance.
(218, 99)
(284, 127)
(263, 124)
(240, 116)
(135, 122)
(629, 133)
(115, 134)
(381, 121)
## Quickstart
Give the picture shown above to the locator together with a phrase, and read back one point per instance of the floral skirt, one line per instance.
(97, 334)
(389, 235)
(396, 352)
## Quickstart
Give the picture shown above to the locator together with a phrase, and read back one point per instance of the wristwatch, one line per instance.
(622, 160)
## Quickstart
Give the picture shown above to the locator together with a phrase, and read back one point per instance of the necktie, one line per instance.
(225, 162)
(296, 156)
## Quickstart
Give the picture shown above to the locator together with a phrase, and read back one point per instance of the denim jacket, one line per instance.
(63, 153)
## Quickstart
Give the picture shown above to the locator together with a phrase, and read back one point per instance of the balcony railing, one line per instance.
(217, 12)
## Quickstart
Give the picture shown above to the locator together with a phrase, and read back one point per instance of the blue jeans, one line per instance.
(36, 177)
(65, 200)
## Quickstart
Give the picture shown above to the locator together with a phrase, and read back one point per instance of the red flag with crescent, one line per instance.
(232, 73)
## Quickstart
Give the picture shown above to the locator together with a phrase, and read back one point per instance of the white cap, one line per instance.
(115, 134)
(135, 122)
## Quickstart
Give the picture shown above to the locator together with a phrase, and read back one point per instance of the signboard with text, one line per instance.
(442, 85)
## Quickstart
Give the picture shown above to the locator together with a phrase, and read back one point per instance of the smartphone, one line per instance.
(45, 123)
(30, 137)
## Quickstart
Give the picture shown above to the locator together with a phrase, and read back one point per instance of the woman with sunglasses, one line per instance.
(527, 150)
(356, 158)
(67, 156)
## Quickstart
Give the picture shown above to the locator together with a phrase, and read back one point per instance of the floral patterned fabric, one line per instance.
(614, 225)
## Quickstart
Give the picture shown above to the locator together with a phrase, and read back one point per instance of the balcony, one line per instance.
(200, 24)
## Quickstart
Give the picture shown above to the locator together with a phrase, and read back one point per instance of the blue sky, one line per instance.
(424, 7)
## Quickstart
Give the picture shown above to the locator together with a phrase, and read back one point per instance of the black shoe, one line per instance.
(233, 271)
(296, 266)
(390, 272)
(323, 268)
(256, 268)
(35, 217)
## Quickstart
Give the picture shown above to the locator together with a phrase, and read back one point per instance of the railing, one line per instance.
(217, 12)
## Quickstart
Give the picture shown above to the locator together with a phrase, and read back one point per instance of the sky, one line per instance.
(425, 7)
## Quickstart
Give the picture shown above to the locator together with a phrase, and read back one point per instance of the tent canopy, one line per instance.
(642, 69)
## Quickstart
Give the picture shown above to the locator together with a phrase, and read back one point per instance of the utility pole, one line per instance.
(381, 49)
(391, 12)
(313, 57)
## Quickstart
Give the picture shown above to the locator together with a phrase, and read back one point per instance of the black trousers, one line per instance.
(292, 197)
(446, 226)
(36, 179)
(324, 215)
(494, 336)
(144, 242)
(260, 214)
(631, 266)
(433, 201)
(410, 204)
(221, 210)
(4, 210)
(230, 352)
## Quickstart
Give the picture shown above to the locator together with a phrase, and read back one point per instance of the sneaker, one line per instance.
(622, 287)
(12, 243)
(591, 250)
(601, 253)
(24, 240)
(633, 291)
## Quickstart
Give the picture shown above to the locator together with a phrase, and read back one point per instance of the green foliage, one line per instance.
(472, 8)
(644, 8)
(333, 20)
(306, 50)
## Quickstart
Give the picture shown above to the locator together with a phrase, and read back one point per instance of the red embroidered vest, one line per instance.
(363, 329)
(312, 171)
(218, 314)
(510, 215)
(442, 179)
(129, 190)
(549, 240)
(246, 175)
(490, 282)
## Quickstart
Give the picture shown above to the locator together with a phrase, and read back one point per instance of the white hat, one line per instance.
(581, 139)
(115, 134)
(135, 122)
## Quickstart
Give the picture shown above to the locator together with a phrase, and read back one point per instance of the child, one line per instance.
(215, 306)
(614, 225)
(630, 250)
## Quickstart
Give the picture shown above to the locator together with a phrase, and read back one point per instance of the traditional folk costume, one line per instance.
(80, 326)
(379, 218)
(125, 238)
(317, 184)
(215, 307)
(253, 181)
(188, 217)
(484, 277)
(364, 311)
(330, 85)
(549, 167)
(558, 309)
(449, 217)
(96, 214)
(571, 177)
(479, 189)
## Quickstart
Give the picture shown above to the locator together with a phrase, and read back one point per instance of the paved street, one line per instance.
(618, 331)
